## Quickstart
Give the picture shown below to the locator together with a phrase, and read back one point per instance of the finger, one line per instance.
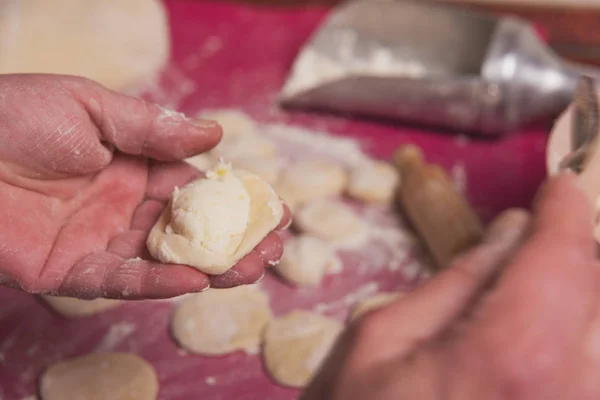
(251, 268)
(561, 244)
(545, 301)
(164, 177)
(130, 244)
(108, 275)
(394, 330)
(146, 215)
(137, 127)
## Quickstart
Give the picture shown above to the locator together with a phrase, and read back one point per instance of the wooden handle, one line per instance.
(441, 216)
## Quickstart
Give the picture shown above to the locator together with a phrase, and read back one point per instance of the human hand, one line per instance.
(84, 174)
(516, 318)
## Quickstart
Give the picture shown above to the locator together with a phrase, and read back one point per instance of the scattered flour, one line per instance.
(350, 299)
(210, 380)
(115, 335)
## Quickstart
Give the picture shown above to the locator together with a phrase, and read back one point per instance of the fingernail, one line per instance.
(204, 123)
(204, 289)
(506, 224)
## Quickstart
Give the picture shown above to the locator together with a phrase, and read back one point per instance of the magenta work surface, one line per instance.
(237, 56)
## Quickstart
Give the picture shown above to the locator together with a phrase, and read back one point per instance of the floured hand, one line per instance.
(516, 318)
(84, 174)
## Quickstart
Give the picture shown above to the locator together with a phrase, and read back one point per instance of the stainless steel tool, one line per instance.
(424, 62)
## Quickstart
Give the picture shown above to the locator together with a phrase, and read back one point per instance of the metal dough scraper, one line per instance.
(436, 64)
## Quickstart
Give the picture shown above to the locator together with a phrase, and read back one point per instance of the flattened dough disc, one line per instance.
(118, 43)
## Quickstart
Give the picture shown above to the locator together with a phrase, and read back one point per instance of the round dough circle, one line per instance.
(77, 308)
(212, 223)
(268, 169)
(308, 180)
(103, 376)
(296, 344)
(95, 39)
(233, 122)
(372, 303)
(329, 220)
(373, 182)
(222, 321)
(306, 260)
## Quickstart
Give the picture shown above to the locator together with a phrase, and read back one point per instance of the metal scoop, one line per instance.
(428, 63)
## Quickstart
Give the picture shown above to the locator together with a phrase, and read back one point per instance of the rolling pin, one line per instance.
(440, 215)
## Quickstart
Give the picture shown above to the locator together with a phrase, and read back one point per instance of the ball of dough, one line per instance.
(307, 180)
(296, 344)
(373, 303)
(222, 321)
(119, 44)
(329, 220)
(233, 122)
(212, 223)
(76, 308)
(268, 169)
(306, 260)
(373, 182)
(103, 376)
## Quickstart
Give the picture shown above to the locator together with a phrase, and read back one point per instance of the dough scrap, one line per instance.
(329, 220)
(296, 344)
(373, 182)
(77, 308)
(212, 223)
(308, 180)
(306, 260)
(102, 376)
(96, 39)
(222, 321)
(372, 303)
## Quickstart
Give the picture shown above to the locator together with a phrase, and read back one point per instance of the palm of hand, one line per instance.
(75, 214)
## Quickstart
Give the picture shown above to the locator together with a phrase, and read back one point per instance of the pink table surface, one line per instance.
(232, 55)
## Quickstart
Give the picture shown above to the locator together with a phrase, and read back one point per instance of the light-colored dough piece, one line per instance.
(296, 344)
(308, 180)
(102, 376)
(268, 169)
(245, 146)
(202, 162)
(77, 308)
(373, 182)
(373, 303)
(329, 220)
(119, 44)
(212, 223)
(222, 321)
(234, 122)
(306, 260)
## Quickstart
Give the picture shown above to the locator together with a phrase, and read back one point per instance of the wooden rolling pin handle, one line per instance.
(438, 212)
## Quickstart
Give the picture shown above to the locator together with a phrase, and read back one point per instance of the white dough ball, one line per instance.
(373, 182)
(329, 220)
(212, 223)
(308, 180)
(306, 260)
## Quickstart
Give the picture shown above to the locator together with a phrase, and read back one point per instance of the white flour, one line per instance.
(115, 336)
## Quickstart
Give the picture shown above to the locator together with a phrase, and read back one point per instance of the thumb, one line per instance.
(137, 127)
